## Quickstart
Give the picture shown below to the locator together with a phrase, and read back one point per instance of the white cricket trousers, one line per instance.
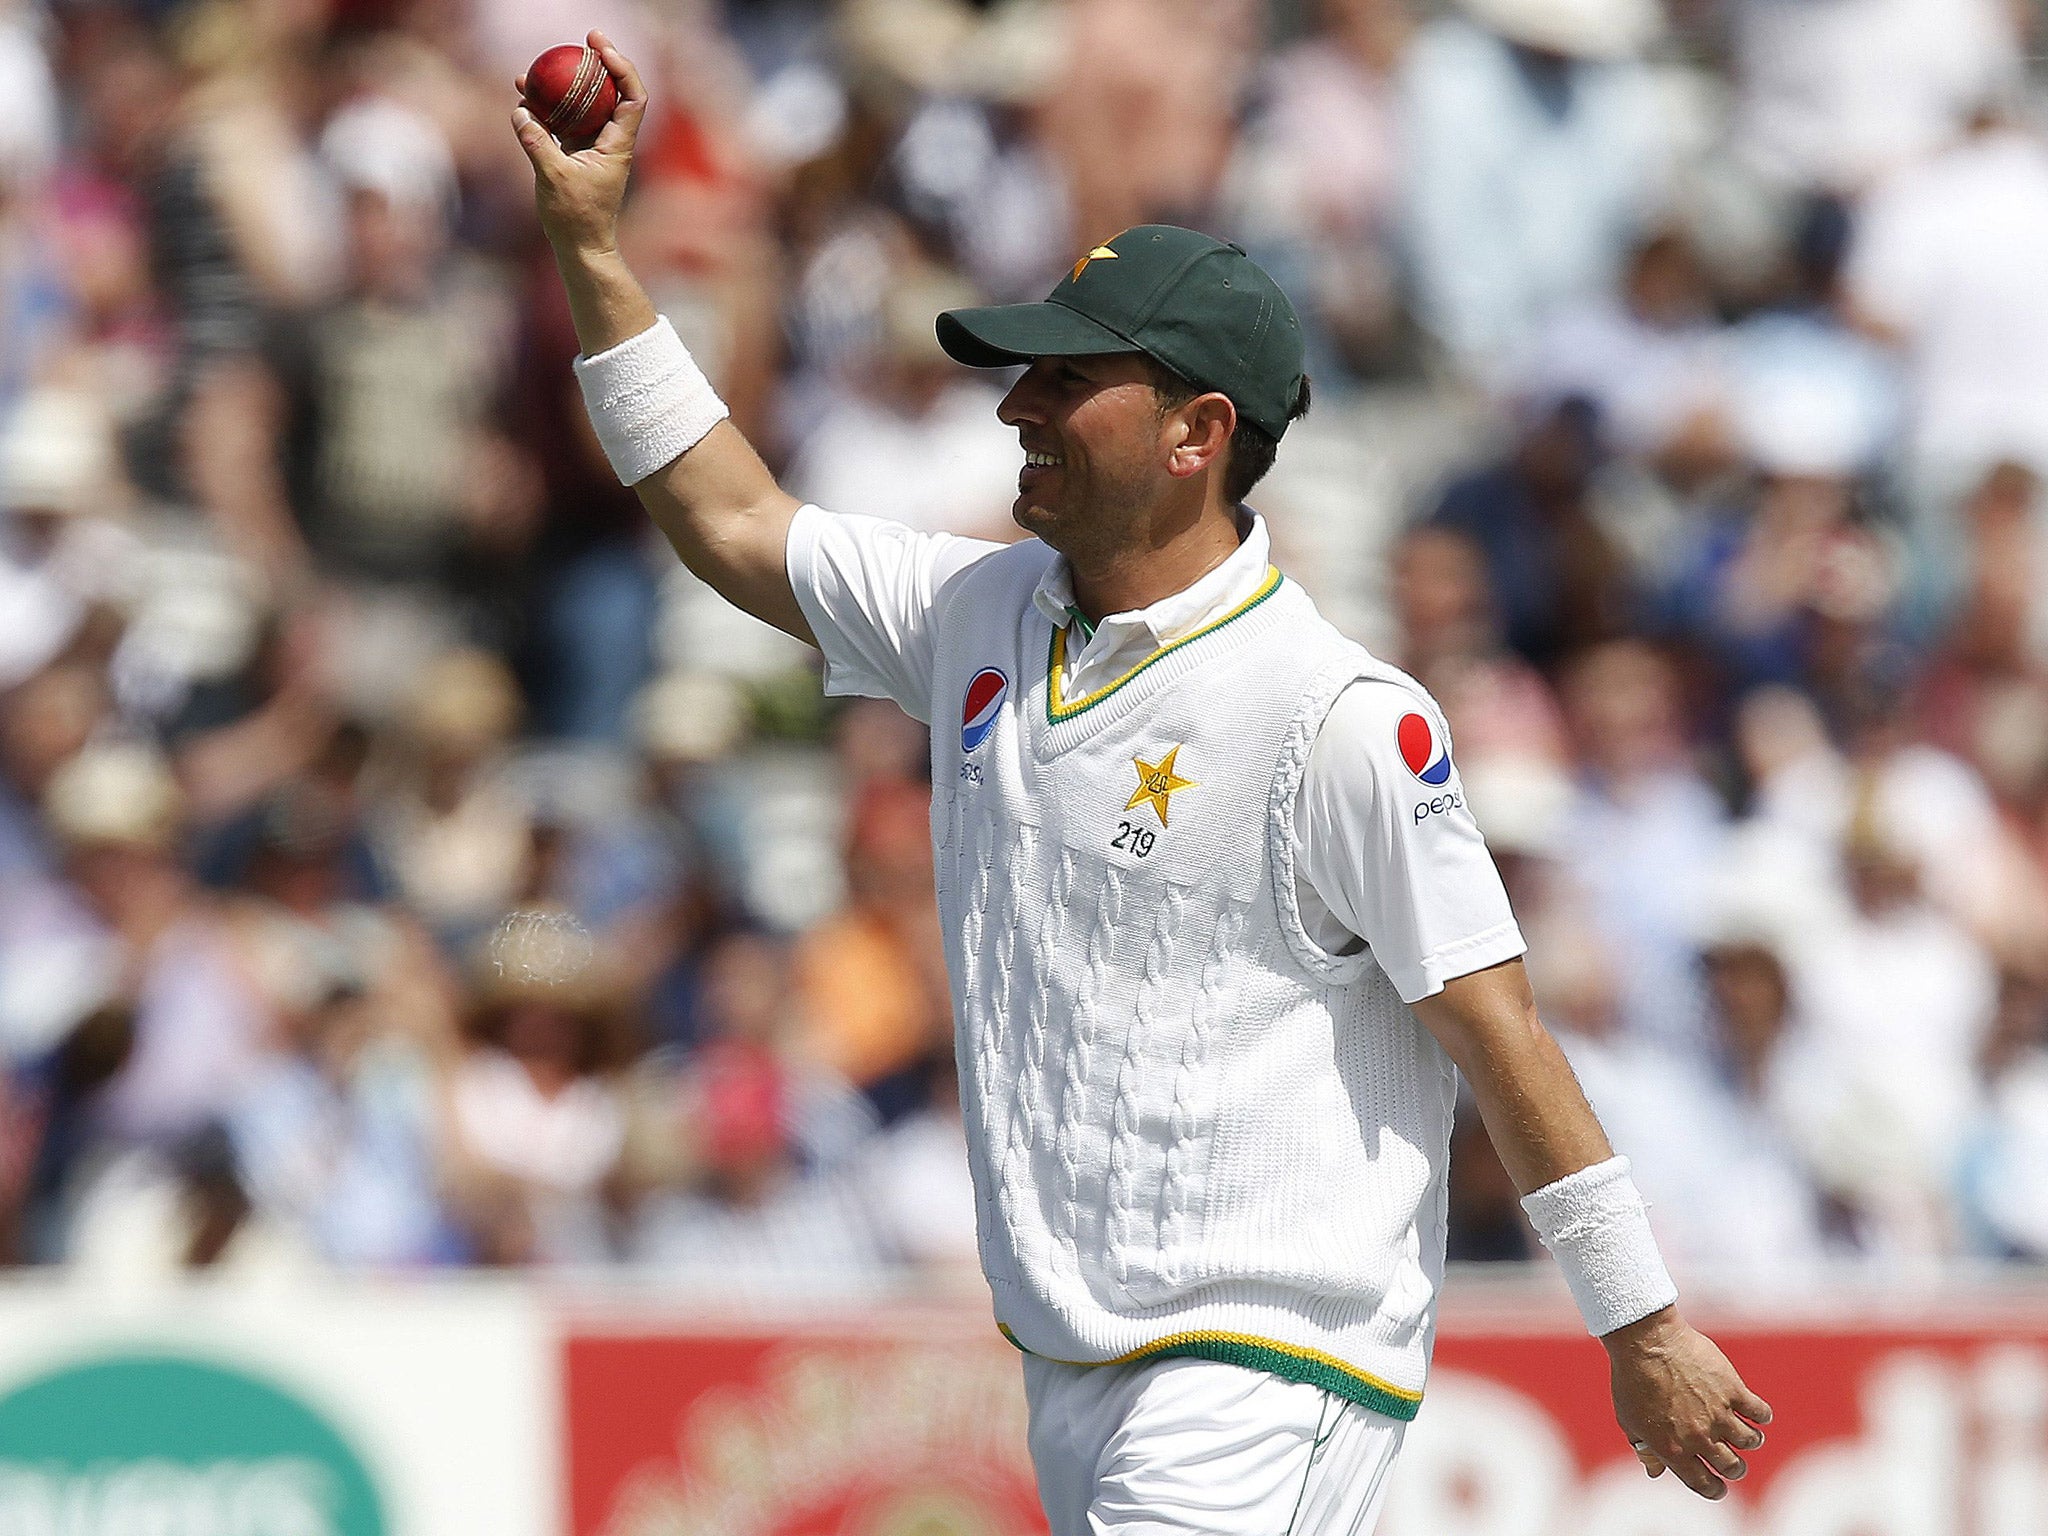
(1192, 1448)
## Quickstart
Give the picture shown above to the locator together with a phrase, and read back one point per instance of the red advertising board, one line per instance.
(905, 1425)
(1919, 1422)
(1909, 1424)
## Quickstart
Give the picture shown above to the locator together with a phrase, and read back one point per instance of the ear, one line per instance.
(1200, 434)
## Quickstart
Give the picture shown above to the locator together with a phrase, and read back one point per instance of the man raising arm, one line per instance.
(1217, 923)
(701, 481)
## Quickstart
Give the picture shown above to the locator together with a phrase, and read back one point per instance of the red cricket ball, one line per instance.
(571, 92)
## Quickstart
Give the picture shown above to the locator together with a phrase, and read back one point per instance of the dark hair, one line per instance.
(1252, 447)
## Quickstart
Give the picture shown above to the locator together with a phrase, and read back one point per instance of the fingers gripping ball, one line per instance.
(571, 92)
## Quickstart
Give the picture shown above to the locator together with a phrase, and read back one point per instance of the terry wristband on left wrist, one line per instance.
(1597, 1225)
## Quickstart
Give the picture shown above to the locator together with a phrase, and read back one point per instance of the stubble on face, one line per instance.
(1101, 417)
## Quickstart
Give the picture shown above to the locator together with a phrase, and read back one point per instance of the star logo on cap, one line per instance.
(1100, 253)
(1157, 783)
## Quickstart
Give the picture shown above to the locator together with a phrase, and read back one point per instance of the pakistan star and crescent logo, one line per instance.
(1100, 253)
(1157, 782)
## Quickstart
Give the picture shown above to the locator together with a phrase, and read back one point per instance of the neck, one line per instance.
(1178, 556)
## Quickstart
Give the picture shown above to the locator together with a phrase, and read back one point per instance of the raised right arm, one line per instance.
(716, 502)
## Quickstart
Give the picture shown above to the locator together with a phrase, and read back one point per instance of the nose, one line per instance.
(1023, 405)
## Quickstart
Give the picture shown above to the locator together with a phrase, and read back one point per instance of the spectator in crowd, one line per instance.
(339, 1134)
(1642, 834)
(873, 1004)
(688, 725)
(1144, 116)
(1899, 1001)
(978, 166)
(1724, 1186)
(1939, 267)
(50, 1100)
(1935, 808)
(1313, 189)
(201, 405)
(62, 552)
(1498, 706)
(1805, 383)
(200, 1026)
(1761, 1209)
(46, 720)
(914, 405)
(915, 1175)
(767, 1189)
(2005, 1169)
(1835, 96)
(1561, 577)
(665, 866)
(1647, 355)
(1538, 151)
(1982, 703)
(454, 833)
(1786, 580)
(240, 736)
(411, 481)
(1992, 651)
(303, 837)
(537, 1116)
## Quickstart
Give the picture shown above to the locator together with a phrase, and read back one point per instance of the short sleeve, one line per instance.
(1385, 841)
(870, 590)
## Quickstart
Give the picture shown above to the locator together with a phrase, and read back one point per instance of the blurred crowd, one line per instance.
(403, 862)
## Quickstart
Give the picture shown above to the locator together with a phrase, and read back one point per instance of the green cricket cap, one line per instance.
(1199, 305)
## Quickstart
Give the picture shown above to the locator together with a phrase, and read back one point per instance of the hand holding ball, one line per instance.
(579, 112)
(571, 93)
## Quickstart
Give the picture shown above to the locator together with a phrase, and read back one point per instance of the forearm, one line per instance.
(1535, 1111)
(716, 502)
(1577, 1193)
(1532, 1105)
(606, 300)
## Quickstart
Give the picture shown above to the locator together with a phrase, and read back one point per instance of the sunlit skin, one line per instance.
(1135, 500)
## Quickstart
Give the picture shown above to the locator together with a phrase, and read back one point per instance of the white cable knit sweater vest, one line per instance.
(1192, 1132)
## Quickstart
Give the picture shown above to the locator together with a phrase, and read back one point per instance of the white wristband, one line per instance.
(648, 400)
(1596, 1224)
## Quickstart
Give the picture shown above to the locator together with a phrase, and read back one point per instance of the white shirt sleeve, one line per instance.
(870, 591)
(1383, 854)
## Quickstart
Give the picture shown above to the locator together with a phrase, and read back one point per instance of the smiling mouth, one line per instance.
(1036, 467)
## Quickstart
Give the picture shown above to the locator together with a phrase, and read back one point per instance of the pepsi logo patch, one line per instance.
(1423, 751)
(983, 702)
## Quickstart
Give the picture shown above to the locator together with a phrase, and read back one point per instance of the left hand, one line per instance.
(1681, 1404)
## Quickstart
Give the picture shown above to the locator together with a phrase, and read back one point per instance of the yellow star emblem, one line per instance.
(1156, 783)
(1100, 253)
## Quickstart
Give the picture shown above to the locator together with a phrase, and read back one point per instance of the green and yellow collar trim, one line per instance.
(1059, 709)
(1292, 1362)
